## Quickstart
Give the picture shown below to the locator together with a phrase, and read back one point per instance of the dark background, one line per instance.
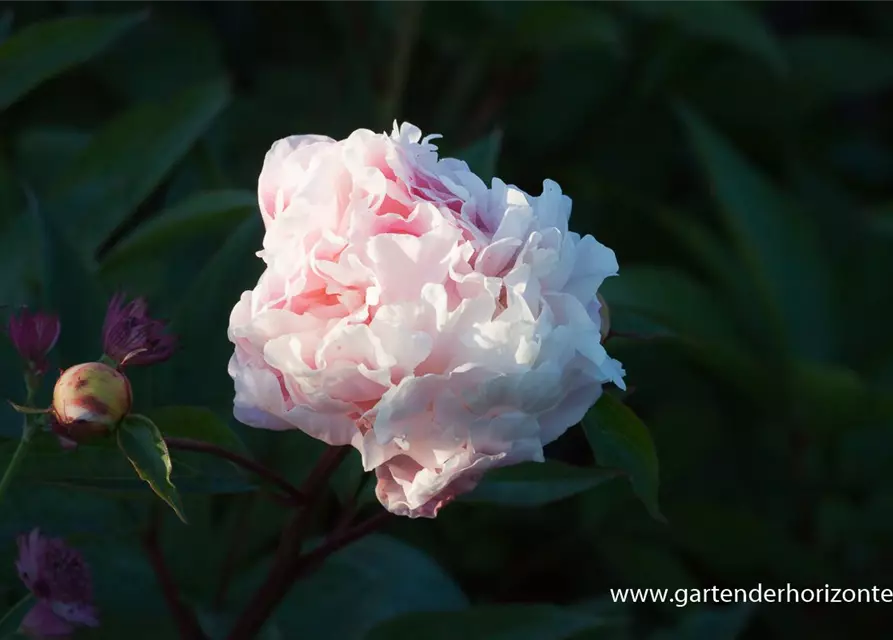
(737, 157)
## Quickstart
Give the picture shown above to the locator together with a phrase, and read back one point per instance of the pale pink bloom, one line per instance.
(60, 580)
(441, 326)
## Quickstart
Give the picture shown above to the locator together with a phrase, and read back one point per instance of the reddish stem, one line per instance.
(287, 565)
(294, 495)
(184, 617)
(283, 576)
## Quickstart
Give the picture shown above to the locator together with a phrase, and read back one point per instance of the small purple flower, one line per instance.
(34, 335)
(130, 336)
(60, 580)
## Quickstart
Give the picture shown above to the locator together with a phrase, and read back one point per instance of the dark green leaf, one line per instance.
(19, 241)
(833, 397)
(127, 590)
(645, 566)
(561, 26)
(6, 20)
(197, 423)
(736, 541)
(778, 244)
(141, 441)
(881, 219)
(620, 441)
(128, 159)
(216, 624)
(491, 622)
(46, 49)
(483, 156)
(730, 23)
(726, 623)
(99, 466)
(670, 298)
(347, 479)
(12, 619)
(43, 154)
(203, 316)
(70, 291)
(840, 64)
(362, 575)
(164, 55)
(536, 484)
(191, 218)
(59, 511)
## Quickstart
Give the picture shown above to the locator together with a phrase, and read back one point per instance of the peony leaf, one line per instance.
(232, 270)
(361, 576)
(70, 291)
(99, 466)
(777, 243)
(187, 219)
(536, 484)
(128, 159)
(839, 64)
(730, 23)
(567, 26)
(621, 441)
(141, 442)
(12, 619)
(197, 423)
(711, 623)
(43, 154)
(46, 49)
(670, 298)
(490, 622)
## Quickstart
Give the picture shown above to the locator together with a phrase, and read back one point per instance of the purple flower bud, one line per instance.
(34, 335)
(130, 336)
(60, 580)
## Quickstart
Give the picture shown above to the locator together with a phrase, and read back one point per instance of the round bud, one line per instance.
(90, 399)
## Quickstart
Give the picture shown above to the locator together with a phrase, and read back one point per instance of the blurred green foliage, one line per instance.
(736, 156)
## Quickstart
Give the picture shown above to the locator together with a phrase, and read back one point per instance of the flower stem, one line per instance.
(287, 564)
(187, 623)
(283, 576)
(14, 616)
(31, 427)
(292, 493)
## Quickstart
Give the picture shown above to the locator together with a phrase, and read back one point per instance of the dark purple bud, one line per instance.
(34, 335)
(131, 337)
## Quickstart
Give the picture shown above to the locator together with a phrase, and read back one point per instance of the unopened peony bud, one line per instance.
(34, 335)
(90, 399)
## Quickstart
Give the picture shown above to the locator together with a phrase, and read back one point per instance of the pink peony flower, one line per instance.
(440, 326)
(34, 335)
(60, 580)
(130, 336)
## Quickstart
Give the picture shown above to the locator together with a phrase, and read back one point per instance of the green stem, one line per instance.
(32, 425)
(12, 619)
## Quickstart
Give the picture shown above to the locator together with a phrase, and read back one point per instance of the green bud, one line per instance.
(90, 399)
